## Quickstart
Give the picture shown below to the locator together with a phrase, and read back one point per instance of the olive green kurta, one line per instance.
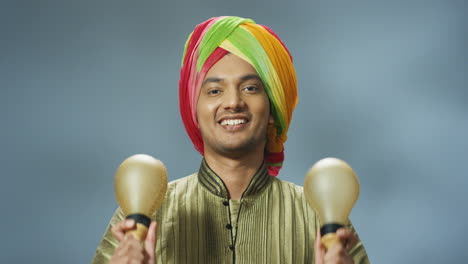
(197, 223)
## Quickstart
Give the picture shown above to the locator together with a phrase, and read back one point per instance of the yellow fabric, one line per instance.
(274, 224)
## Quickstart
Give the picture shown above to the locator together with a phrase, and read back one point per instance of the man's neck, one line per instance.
(236, 173)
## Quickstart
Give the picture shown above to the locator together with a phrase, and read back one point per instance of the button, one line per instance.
(226, 203)
(229, 226)
(231, 247)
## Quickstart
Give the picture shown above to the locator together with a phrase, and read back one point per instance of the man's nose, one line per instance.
(233, 100)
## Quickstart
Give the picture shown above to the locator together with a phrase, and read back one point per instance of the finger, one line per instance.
(129, 250)
(336, 254)
(125, 246)
(119, 230)
(150, 241)
(133, 246)
(348, 237)
(319, 249)
(336, 249)
(344, 233)
(352, 241)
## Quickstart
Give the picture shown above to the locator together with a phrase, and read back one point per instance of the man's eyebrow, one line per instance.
(212, 79)
(244, 78)
(250, 77)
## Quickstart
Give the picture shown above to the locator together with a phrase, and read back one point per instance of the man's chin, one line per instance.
(237, 150)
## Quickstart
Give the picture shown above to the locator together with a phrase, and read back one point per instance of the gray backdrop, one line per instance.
(85, 84)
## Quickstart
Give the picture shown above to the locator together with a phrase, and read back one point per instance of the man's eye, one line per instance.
(214, 91)
(250, 89)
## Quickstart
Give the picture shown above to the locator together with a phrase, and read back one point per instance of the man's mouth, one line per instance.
(233, 122)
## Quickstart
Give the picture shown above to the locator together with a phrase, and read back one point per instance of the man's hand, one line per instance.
(338, 253)
(130, 250)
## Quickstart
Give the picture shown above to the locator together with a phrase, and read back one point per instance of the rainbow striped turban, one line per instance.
(259, 46)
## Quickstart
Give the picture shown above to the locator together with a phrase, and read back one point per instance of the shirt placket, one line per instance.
(233, 211)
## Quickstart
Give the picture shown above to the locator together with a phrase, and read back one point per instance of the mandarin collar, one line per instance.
(214, 184)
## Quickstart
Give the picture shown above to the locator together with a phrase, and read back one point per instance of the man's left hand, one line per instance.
(339, 252)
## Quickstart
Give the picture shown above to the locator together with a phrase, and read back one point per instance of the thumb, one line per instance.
(150, 243)
(319, 249)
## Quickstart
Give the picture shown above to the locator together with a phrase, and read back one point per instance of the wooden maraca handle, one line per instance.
(139, 232)
(330, 239)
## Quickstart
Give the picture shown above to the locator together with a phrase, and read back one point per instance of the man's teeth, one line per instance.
(233, 122)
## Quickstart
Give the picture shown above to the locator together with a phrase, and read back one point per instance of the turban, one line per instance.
(259, 46)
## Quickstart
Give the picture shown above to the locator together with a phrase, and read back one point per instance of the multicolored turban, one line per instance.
(259, 46)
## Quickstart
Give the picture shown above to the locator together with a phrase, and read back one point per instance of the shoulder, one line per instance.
(292, 199)
(177, 191)
(182, 185)
(290, 191)
(288, 187)
(183, 181)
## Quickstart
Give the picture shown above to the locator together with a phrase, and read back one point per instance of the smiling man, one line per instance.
(237, 94)
(233, 110)
(233, 113)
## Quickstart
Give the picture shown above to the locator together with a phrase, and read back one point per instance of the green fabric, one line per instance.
(217, 33)
(252, 49)
(274, 224)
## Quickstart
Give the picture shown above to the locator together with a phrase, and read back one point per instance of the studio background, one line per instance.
(85, 84)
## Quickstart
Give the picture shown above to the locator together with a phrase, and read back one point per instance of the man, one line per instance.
(237, 94)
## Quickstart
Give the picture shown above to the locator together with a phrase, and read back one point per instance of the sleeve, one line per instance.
(358, 252)
(108, 242)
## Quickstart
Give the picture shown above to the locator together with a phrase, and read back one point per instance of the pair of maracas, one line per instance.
(331, 188)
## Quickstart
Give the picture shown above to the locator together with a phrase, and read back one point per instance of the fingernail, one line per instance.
(130, 222)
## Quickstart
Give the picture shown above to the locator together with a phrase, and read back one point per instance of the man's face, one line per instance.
(233, 109)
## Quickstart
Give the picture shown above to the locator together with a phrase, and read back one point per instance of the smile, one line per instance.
(233, 122)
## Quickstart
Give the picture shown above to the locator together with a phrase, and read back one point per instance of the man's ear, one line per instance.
(271, 120)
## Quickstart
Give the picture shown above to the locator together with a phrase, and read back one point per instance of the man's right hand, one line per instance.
(130, 250)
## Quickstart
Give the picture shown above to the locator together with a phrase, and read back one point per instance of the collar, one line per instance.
(214, 184)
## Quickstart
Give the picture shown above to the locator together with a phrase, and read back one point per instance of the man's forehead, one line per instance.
(231, 66)
(242, 78)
